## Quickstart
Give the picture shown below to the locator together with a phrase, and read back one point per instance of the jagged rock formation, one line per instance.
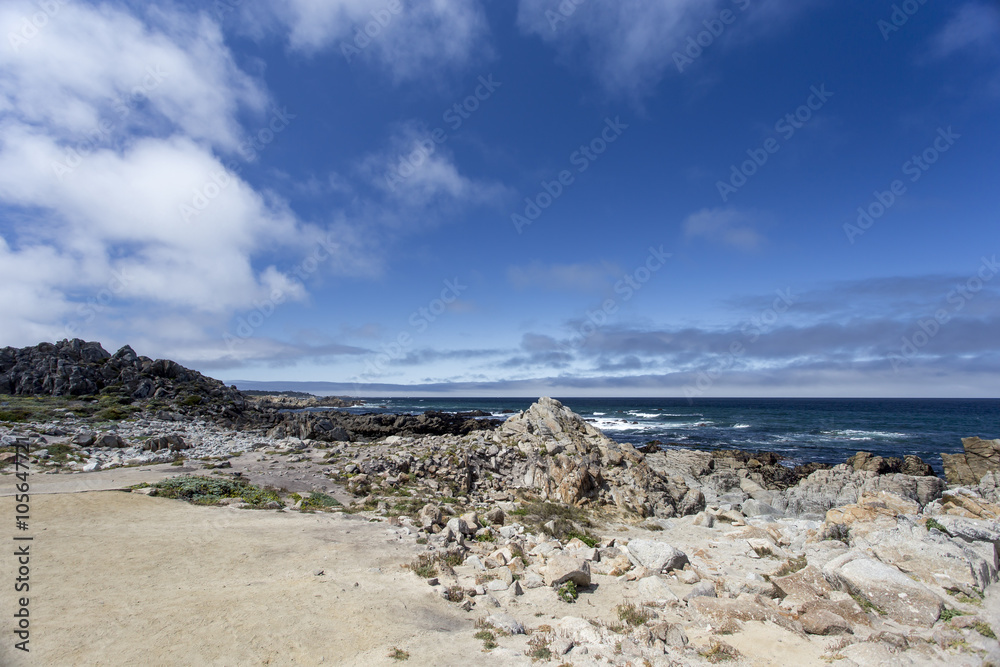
(980, 457)
(79, 368)
(572, 461)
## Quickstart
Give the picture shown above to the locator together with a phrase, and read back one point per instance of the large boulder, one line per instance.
(980, 457)
(656, 556)
(560, 569)
(885, 588)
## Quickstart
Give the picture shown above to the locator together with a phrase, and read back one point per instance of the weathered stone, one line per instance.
(656, 556)
(808, 583)
(111, 440)
(430, 515)
(495, 516)
(746, 607)
(560, 569)
(886, 588)
(967, 469)
(655, 589)
(822, 622)
(671, 634)
(703, 589)
(84, 439)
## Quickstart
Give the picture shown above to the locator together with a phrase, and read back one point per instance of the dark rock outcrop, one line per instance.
(332, 426)
(79, 368)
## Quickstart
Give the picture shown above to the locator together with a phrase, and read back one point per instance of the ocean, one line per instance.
(827, 430)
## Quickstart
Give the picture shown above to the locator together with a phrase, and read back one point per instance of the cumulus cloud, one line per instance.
(414, 171)
(113, 184)
(975, 26)
(408, 39)
(729, 226)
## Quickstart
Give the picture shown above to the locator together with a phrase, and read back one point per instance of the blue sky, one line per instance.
(695, 198)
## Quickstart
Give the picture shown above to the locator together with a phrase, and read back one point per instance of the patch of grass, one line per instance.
(421, 540)
(965, 599)
(984, 629)
(114, 414)
(589, 540)
(319, 501)
(934, 523)
(764, 551)
(398, 654)
(425, 566)
(208, 491)
(567, 592)
(15, 415)
(948, 614)
(486, 537)
(632, 615)
(790, 566)
(488, 638)
(538, 647)
(191, 400)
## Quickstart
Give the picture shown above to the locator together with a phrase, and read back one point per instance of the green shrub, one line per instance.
(568, 592)
(208, 491)
(15, 415)
(318, 500)
(632, 615)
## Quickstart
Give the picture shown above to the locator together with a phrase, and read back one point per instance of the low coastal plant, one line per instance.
(632, 615)
(948, 614)
(208, 491)
(424, 566)
(790, 566)
(319, 501)
(538, 647)
(488, 638)
(984, 629)
(398, 654)
(568, 592)
(933, 523)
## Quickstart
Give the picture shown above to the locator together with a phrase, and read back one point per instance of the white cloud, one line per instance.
(409, 39)
(724, 225)
(975, 26)
(91, 64)
(581, 276)
(415, 171)
(629, 44)
(116, 205)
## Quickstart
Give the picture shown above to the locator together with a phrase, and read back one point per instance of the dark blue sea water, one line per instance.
(800, 429)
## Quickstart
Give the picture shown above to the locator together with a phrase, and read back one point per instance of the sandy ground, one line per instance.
(124, 579)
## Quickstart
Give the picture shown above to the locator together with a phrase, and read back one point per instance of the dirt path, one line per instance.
(124, 579)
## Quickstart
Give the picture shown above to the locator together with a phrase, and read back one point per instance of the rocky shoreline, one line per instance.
(560, 544)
